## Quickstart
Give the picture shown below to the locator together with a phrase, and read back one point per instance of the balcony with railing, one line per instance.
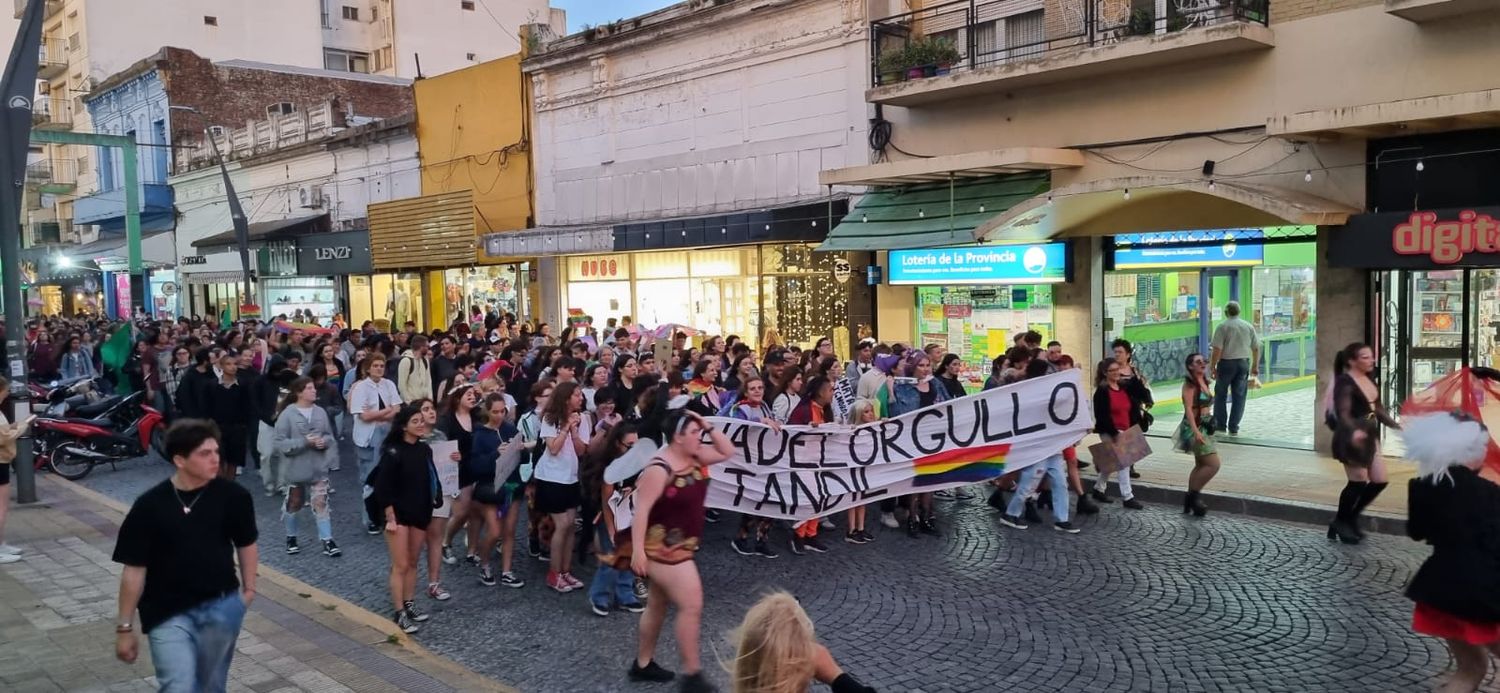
(52, 113)
(966, 47)
(54, 176)
(52, 59)
(50, 8)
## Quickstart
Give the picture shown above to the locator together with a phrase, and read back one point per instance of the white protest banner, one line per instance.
(623, 506)
(843, 400)
(801, 472)
(447, 469)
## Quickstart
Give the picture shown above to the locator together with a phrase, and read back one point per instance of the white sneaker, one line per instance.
(9, 549)
(888, 521)
(9, 558)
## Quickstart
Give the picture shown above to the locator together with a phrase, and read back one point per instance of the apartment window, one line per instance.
(346, 61)
(467, 4)
(281, 109)
(1025, 34)
(351, 13)
(211, 21)
(75, 42)
(375, 13)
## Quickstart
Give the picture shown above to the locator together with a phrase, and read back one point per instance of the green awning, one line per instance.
(931, 215)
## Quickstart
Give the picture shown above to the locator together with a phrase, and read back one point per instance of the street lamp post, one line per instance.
(236, 212)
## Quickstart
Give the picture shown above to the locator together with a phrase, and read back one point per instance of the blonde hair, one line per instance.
(770, 340)
(858, 409)
(776, 645)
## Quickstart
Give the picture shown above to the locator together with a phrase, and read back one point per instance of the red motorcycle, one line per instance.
(71, 447)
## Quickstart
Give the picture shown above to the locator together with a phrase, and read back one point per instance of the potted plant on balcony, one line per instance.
(892, 65)
(943, 55)
(1142, 22)
(914, 58)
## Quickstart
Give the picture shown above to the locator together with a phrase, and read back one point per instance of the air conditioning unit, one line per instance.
(310, 196)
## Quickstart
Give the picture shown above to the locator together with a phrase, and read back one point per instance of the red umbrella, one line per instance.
(1476, 392)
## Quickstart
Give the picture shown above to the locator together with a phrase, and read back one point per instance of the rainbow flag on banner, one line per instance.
(961, 465)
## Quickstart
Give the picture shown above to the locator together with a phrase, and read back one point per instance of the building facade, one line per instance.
(86, 42)
(307, 203)
(1191, 154)
(677, 160)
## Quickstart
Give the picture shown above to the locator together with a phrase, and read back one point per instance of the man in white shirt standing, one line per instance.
(1235, 359)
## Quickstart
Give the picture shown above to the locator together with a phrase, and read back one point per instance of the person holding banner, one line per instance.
(666, 533)
(752, 407)
(862, 411)
(457, 424)
(916, 390)
(1116, 409)
(495, 504)
(1055, 471)
(610, 584)
(1195, 435)
(814, 410)
(438, 527)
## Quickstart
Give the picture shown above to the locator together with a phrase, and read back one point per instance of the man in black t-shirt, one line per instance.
(178, 544)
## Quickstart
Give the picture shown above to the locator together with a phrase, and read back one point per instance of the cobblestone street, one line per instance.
(1141, 601)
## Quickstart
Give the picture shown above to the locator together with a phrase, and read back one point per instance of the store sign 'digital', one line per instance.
(1186, 250)
(1045, 263)
(1428, 239)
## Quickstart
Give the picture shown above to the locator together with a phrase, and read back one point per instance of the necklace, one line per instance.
(187, 507)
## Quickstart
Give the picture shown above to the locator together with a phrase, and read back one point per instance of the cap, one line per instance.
(867, 342)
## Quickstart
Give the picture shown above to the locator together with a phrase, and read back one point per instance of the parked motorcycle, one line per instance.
(126, 430)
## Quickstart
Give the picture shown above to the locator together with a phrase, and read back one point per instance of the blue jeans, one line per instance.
(1233, 379)
(192, 650)
(606, 577)
(1056, 469)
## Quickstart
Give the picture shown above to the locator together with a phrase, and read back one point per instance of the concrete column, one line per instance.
(550, 275)
(1079, 305)
(1343, 295)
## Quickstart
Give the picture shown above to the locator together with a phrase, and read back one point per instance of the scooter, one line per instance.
(71, 447)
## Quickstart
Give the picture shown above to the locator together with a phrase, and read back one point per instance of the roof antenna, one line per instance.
(418, 58)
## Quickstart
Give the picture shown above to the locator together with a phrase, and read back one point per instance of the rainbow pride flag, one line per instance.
(961, 465)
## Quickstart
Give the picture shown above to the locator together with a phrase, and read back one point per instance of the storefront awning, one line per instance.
(521, 244)
(1147, 204)
(276, 230)
(939, 169)
(931, 215)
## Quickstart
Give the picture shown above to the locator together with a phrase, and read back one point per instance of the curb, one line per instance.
(1264, 507)
(343, 607)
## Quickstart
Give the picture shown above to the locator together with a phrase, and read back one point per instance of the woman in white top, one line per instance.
(304, 439)
(595, 378)
(788, 395)
(562, 438)
(374, 402)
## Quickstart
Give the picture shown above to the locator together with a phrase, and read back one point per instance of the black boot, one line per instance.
(1372, 491)
(1192, 503)
(1343, 526)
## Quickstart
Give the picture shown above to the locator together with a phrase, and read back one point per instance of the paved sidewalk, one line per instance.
(57, 610)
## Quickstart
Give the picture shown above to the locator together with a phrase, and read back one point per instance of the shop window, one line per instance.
(980, 322)
(300, 299)
(672, 264)
(501, 286)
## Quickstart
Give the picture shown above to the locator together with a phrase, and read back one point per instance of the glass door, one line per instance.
(1439, 315)
(1484, 320)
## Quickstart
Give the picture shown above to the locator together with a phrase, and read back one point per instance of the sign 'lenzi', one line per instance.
(801, 472)
(335, 253)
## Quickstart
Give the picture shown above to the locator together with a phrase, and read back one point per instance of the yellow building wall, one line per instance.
(473, 129)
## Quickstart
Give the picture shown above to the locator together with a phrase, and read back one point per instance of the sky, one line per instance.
(596, 12)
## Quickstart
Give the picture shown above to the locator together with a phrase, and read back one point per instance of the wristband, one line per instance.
(124, 628)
